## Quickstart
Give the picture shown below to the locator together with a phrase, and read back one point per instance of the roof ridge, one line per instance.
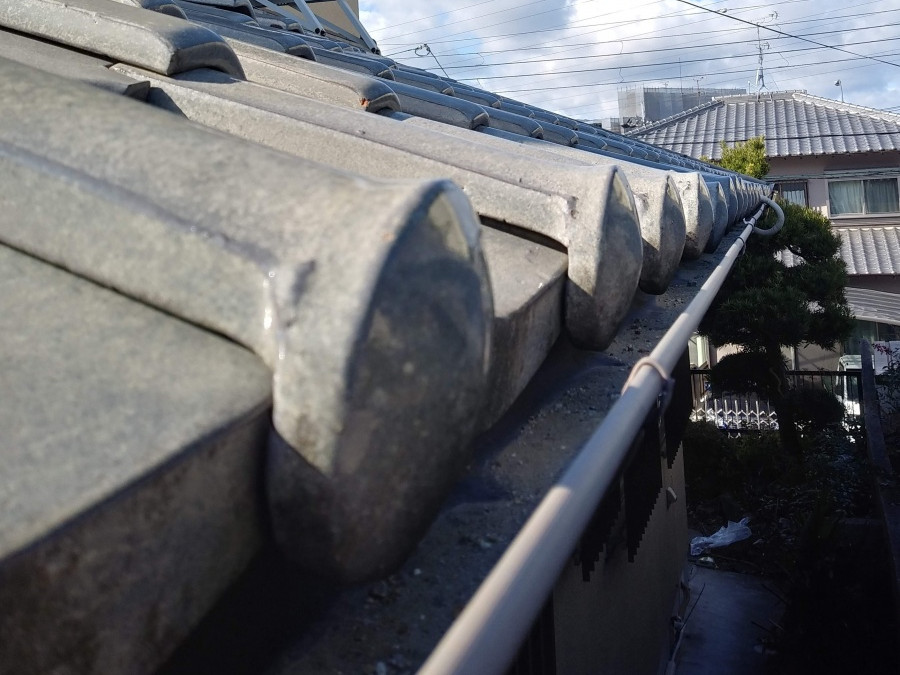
(849, 107)
(847, 228)
(690, 112)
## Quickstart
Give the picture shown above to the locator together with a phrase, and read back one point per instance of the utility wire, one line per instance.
(612, 104)
(500, 23)
(482, 52)
(658, 63)
(775, 30)
(876, 58)
(616, 24)
(458, 67)
(716, 73)
(606, 25)
(427, 49)
(434, 16)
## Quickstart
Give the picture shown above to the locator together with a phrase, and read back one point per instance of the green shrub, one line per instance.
(815, 409)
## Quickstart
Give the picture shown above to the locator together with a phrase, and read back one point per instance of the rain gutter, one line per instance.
(487, 634)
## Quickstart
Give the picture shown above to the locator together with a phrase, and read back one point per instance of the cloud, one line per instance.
(574, 56)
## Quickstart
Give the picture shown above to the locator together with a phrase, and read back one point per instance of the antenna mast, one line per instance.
(760, 74)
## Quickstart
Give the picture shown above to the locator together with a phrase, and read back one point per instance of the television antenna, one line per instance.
(761, 46)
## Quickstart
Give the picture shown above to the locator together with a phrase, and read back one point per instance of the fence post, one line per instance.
(859, 394)
(872, 417)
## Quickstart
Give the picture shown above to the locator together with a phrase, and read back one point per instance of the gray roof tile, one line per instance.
(158, 42)
(866, 250)
(100, 393)
(341, 254)
(794, 124)
(870, 250)
(70, 64)
(870, 305)
(256, 265)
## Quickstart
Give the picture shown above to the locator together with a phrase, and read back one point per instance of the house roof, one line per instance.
(866, 250)
(870, 250)
(379, 258)
(794, 123)
(870, 305)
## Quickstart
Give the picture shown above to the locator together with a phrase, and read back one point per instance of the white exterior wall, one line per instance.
(620, 622)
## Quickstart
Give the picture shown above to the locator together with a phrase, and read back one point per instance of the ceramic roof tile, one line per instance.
(866, 250)
(870, 305)
(312, 219)
(794, 124)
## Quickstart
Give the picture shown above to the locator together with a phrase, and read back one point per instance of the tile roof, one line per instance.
(392, 252)
(870, 305)
(795, 124)
(870, 250)
(866, 250)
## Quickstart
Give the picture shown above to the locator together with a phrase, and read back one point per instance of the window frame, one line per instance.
(805, 184)
(865, 213)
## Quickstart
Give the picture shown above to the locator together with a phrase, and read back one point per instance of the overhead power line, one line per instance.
(659, 64)
(603, 25)
(624, 81)
(797, 37)
(434, 16)
(648, 51)
(482, 52)
(444, 39)
(689, 31)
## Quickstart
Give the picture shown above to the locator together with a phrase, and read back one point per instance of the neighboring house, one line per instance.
(842, 160)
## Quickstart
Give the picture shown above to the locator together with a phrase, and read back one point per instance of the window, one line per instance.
(877, 195)
(871, 331)
(793, 193)
(698, 349)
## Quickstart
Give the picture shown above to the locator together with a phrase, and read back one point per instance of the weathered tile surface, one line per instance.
(158, 42)
(132, 447)
(374, 305)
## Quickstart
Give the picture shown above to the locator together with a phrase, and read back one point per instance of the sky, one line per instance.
(573, 56)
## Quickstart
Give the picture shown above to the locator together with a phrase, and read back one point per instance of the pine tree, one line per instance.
(765, 305)
(748, 157)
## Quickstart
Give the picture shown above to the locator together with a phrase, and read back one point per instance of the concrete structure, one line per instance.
(641, 104)
(267, 295)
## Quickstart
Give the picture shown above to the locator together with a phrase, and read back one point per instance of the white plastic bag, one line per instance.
(726, 535)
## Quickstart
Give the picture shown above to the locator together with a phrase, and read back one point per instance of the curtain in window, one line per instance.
(881, 196)
(793, 193)
(845, 196)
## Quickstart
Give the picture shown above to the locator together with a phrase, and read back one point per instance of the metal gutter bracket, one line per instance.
(668, 382)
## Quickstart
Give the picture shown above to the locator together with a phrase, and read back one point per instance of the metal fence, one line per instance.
(748, 412)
